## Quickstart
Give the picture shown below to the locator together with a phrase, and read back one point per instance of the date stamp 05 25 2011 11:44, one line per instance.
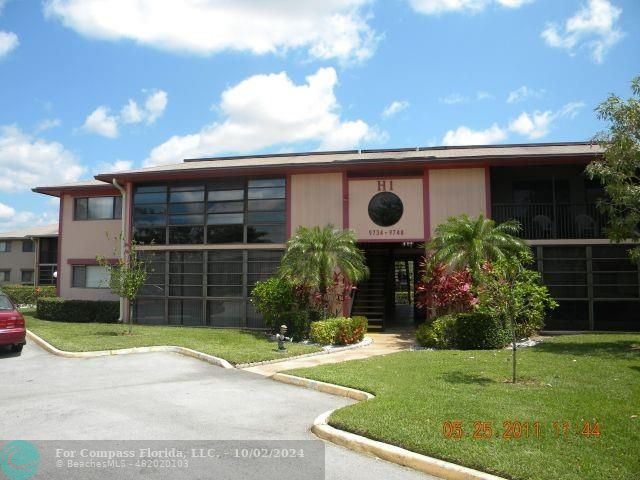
(516, 430)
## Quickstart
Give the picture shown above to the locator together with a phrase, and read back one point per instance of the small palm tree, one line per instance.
(313, 256)
(463, 242)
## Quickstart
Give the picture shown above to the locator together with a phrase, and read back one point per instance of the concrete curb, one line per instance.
(187, 352)
(390, 453)
(362, 344)
(323, 387)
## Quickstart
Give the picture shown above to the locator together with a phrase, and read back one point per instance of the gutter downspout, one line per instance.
(123, 207)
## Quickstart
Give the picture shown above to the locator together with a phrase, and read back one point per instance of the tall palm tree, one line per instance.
(313, 255)
(470, 242)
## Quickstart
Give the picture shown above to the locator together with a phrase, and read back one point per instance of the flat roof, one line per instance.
(338, 159)
(40, 231)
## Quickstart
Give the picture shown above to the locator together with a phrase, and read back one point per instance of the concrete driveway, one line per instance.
(161, 396)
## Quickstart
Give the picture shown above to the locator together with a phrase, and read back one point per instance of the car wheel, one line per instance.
(17, 348)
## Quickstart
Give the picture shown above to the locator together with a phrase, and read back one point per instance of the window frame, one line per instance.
(7, 246)
(6, 273)
(116, 208)
(33, 276)
(75, 268)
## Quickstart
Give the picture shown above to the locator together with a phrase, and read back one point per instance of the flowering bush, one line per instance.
(442, 291)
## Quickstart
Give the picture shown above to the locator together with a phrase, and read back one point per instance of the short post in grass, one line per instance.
(281, 338)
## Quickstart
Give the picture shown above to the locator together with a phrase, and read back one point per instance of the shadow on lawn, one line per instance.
(466, 378)
(621, 349)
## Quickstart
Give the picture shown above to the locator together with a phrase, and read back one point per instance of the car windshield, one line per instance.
(5, 303)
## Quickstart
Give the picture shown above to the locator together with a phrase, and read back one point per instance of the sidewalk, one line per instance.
(383, 343)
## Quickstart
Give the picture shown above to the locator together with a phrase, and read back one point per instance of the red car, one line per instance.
(12, 329)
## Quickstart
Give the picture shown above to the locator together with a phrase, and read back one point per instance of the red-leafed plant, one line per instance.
(443, 291)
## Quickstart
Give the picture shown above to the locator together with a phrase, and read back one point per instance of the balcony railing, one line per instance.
(48, 257)
(554, 221)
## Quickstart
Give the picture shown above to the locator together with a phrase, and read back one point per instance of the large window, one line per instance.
(5, 275)
(97, 208)
(597, 287)
(223, 211)
(5, 246)
(27, 246)
(90, 276)
(209, 288)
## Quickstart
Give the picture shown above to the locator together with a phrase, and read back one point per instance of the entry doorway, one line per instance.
(404, 280)
(387, 297)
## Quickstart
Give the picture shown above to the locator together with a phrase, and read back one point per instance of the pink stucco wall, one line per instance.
(84, 239)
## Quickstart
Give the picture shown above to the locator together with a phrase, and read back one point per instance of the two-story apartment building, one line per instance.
(29, 256)
(210, 228)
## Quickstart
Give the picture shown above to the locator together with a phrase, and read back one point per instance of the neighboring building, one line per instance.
(210, 228)
(29, 256)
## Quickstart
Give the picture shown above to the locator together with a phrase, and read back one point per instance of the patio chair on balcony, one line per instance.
(542, 226)
(586, 226)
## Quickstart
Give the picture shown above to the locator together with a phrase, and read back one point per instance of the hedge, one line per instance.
(78, 311)
(338, 331)
(465, 331)
(478, 331)
(28, 294)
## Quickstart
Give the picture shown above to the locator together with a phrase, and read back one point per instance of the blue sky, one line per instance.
(90, 86)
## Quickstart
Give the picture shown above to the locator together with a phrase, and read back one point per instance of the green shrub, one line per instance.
(324, 332)
(275, 300)
(338, 331)
(440, 333)
(77, 311)
(28, 294)
(351, 330)
(479, 331)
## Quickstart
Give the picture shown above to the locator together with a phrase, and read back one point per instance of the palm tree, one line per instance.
(313, 255)
(470, 242)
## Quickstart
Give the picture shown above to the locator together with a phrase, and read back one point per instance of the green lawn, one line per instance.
(574, 379)
(234, 346)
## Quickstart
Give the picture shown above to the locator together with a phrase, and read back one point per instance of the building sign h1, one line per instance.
(386, 209)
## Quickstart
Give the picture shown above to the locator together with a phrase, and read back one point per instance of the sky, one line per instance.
(95, 86)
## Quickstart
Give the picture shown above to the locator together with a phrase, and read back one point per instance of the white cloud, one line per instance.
(154, 107)
(101, 122)
(524, 92)
(117, 166)
(436, 7)
(26, 162)
(395, 107)
(466, 136)
(47, 124)
(513, 3)
(482, 95)
(8, 42)
(24, 219)
(5, 210)
(326, 29)
(531, 125)
(592, 27)
(270, 111)
(452, 99)
(538, 124)
(155, 104)
(131, 113)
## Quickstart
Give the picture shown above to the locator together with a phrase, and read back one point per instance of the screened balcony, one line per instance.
(553, 220)
(549, 202)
